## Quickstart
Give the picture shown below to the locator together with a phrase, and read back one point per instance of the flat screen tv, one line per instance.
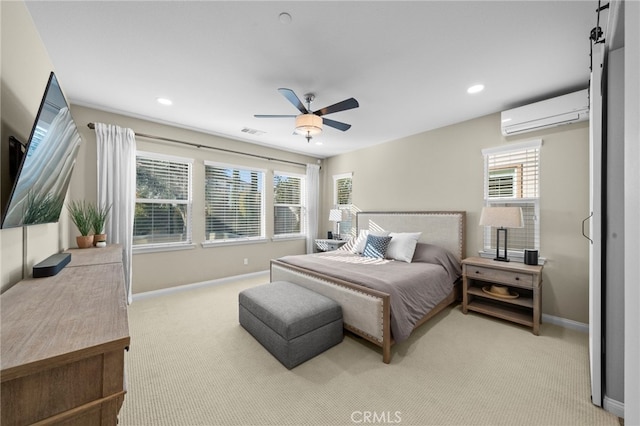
(43, 176)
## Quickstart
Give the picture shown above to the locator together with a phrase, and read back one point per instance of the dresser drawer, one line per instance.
(502, 277)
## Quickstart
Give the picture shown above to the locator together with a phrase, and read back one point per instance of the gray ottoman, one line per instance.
(293, 323)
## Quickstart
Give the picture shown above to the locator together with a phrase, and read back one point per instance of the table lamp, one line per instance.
(335, 215)
(501, 218)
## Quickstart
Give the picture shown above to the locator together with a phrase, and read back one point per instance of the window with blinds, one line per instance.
(342, 193)
(288, 207)
(512, 179)
(163, 201)
(234, 203)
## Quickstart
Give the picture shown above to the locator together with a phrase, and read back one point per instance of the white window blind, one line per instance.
(342, 199)
(163, 201)
(288, 204)
(234, 203)
(512, 179)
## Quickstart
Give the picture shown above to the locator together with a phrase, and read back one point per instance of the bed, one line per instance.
(369, 294)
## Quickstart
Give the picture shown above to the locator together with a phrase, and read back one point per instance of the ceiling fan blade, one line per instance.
(340, 106)
(272, 116)
(336, 124)
(291, 97)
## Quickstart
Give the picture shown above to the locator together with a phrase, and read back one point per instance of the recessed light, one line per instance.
(476, 88)
(318, 143)
(284, 18)
(164, 101)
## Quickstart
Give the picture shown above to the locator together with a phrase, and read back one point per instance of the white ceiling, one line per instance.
(407, 63)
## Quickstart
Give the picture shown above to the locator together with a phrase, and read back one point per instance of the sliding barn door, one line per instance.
(595, 224)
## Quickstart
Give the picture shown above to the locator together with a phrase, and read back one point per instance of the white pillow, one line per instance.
(402, 245)
(358, 246)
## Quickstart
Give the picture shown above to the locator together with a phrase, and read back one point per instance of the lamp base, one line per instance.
(503, 258)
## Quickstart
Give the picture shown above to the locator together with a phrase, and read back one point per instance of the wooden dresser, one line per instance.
(63, 340)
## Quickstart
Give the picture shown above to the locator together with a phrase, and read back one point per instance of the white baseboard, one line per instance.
(613, 406)
(566, 323)
(220, 281)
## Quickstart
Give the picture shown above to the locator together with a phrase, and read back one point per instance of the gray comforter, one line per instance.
(415, 288)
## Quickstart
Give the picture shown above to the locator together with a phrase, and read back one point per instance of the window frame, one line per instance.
(348, 208)
(530, 203)
(244, 240)
(302, 205)
(175, 245)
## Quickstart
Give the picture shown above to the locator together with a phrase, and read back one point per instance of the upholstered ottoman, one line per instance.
(293, 323)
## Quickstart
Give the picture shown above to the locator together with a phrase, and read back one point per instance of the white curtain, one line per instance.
(313, 196)
(117, 188)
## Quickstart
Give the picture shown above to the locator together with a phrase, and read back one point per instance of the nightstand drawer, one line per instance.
(499, 276)
(329, 245)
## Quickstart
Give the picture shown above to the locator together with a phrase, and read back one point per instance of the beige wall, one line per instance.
(154, 271)
(25, 70)
(24, 73)
(443, 170)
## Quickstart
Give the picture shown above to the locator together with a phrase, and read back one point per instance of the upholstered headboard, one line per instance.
(444, 228)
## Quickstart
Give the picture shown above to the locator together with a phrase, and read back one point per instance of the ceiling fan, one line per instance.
(309, 123)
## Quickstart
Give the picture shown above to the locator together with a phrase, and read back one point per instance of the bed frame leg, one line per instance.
(386, 353)
(386, 329)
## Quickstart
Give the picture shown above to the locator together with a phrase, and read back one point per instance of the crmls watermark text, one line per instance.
(375, 417)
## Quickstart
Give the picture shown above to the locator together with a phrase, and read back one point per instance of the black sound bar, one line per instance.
(51, 265)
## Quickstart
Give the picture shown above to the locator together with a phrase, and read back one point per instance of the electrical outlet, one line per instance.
(246, 261)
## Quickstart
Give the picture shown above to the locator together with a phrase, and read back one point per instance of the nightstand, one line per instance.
(329, 245)
(521, 283)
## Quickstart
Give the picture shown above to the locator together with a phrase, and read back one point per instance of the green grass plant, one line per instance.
(81, 216)
(99, 215)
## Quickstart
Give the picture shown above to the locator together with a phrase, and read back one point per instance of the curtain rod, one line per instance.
(197, 145)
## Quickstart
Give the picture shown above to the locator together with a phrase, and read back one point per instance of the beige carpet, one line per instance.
(191, 363)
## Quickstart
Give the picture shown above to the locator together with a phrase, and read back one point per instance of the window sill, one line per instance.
(161, 248)
(288, 237)
(210, 243)
(514, 257)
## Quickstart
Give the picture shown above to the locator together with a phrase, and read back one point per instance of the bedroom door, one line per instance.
(595, 223)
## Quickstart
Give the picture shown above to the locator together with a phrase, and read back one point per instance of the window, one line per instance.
(502, 182)
(512, 179)
(234, 203)
(342, 189)
(163, 201)
(288, 204)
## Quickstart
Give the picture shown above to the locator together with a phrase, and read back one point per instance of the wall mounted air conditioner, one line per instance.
(565, 109)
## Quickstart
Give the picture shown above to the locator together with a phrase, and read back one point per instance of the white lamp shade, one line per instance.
(335, 215)
(506, 217)
(308, 124)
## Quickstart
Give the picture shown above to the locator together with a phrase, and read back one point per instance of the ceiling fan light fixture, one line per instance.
(308, 124)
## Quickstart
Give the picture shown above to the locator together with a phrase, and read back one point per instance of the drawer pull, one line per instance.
(477, 272)
(517, 278)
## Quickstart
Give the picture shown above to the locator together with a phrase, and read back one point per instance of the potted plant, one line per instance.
(80, 212)
(99, 215)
